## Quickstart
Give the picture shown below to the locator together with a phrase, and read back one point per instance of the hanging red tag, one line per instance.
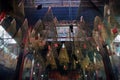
(2, 15)
(114, 30)
(84, 46)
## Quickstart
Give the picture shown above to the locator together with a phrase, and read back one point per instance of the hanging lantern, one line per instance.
(65, 67)
(99, 27)
(114, 30)
(63, 55)
(21, 8)
(56, 45)
(13, 27)
(85, 62)
(2, 15)
(84, 46)
(18, 36)
(50, 58)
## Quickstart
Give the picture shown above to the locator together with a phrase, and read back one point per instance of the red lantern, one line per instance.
(2, 15)
(114, 30)
(99, 27)
(56, 45)
(84, 46)
(65, 67)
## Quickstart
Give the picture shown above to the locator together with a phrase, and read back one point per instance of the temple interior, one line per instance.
(59, 40)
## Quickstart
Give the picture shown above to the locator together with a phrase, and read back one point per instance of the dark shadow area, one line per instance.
(6, 73)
